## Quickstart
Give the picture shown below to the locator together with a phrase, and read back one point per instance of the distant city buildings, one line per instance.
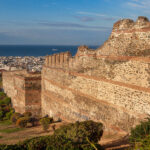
(30, 63)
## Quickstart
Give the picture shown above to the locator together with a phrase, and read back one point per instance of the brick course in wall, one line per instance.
(24, 89)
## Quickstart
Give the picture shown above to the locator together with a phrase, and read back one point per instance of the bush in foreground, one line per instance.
(9, 114)
(15, 117)
(5, 101)
(45, 122)
(22, 122)
(79, 132)
(1, 115)
(79, 136)
(2, 95)
(140, 135)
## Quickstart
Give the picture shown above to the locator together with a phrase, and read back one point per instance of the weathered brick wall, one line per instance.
(33, 95)
(24, 90)
(110, 84)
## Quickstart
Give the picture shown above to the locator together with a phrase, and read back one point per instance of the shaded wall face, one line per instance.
(112, 91)
(25, 92)
(33, 96)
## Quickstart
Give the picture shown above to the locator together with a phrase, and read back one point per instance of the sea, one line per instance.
(36, 50)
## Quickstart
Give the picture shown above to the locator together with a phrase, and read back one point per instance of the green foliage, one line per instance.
(15, 117)
(8, 115)
(38, 143)
(143, 144)
(5, 107)
(22, 122)
(11, 130)
(140, 136)
(5, 112)
(11, 147)
(45, 122)
(1, 115)
(80, 131)
(140, 131)
(5, 123)
(2, 95)
(5, 101)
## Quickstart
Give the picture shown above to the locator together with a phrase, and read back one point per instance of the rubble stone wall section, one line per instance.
(112, 89)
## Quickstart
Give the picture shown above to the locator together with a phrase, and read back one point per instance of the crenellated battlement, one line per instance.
(59, 60)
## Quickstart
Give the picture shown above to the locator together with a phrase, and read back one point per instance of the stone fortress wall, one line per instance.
(110, 84)
(24, 89)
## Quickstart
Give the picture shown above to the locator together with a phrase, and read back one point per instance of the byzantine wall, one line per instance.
(24, 89)
(110, 84)
(124, 37)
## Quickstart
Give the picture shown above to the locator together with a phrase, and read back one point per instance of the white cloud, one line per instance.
(141, 4)
(91, 13)
(99, 15)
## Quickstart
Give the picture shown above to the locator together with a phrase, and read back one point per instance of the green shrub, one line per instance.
(11, 130)
(11, 147)
(140, 131)
(2, 95)
(38, 143)
(1, 102)
(79, 132)
(45, 122)
(22, 122)
(15, 117)
(6, 109)
(27, 114)
(1, 115)
(140, 135)
(2, 105)
(7, 100)
(8, 115)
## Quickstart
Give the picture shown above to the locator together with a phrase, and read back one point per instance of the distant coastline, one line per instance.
(36, 50)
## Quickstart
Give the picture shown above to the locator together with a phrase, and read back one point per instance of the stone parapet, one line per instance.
(60, 60)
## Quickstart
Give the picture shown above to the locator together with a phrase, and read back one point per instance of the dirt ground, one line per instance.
(27, 133)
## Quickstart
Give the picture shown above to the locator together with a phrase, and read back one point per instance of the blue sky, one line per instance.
(64, 22)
